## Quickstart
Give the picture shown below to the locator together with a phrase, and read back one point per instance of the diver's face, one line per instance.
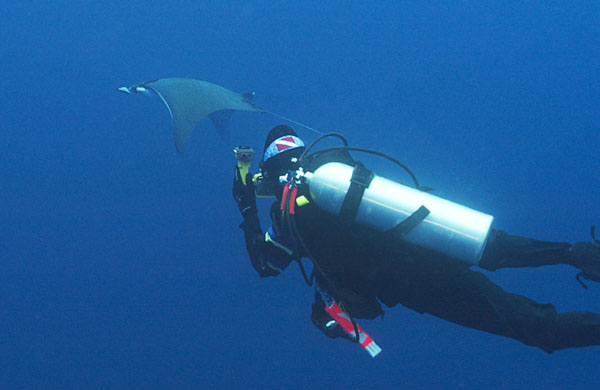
(281, 164)
(272, 173)
(277, 167)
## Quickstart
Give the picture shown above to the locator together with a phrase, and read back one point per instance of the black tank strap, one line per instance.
(409, 223)
(361, 179)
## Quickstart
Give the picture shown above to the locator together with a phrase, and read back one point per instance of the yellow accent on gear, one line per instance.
(302, 201)
(244, 167)
(273, 267)
(277, 245)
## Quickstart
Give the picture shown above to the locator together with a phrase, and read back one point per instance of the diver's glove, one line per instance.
(243, 194)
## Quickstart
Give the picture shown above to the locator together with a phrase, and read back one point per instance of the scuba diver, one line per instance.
(423, 262)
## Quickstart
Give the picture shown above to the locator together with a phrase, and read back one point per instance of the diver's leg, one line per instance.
(507, 251)
(469, 298)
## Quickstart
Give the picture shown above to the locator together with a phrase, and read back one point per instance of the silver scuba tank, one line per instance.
(449, 228)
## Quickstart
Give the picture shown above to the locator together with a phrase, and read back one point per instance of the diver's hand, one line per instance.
(244, 194)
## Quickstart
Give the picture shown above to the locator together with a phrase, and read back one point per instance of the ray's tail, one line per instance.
(294, 122)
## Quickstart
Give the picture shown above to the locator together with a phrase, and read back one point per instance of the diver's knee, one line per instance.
(490, 259)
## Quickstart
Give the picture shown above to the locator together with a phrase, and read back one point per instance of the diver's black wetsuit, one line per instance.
(364, 267)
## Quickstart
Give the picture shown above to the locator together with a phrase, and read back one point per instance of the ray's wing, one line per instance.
(189, 101)
(221, 121)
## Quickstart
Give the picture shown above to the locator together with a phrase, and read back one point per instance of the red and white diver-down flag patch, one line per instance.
(343, 319)
(282, 144)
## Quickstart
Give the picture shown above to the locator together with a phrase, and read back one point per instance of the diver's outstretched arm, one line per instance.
(266, 257)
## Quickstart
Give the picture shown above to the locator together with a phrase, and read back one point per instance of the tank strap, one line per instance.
(409, 223)
(361, 179)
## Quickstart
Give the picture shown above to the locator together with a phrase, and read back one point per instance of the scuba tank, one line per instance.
(426, 220)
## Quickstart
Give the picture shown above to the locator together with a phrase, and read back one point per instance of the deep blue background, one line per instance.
(122, 265)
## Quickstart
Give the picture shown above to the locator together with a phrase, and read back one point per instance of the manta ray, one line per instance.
(189, 101)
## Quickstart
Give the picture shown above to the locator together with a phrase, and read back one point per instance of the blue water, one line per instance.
(121, 262)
